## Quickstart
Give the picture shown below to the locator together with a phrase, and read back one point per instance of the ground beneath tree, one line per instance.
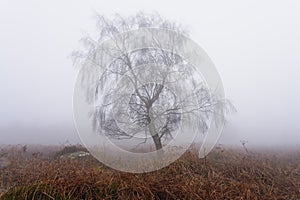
(225, 174)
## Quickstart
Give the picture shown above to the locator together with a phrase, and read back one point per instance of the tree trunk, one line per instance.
(153, 132)
(157, 142)
(155, 136)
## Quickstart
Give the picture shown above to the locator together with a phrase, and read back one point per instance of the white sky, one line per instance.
(254, 44)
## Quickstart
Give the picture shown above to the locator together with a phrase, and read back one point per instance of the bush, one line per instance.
(69, 149)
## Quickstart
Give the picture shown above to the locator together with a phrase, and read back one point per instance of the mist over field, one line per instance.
(255, 46)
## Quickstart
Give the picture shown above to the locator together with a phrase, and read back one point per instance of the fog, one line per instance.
(255, 45)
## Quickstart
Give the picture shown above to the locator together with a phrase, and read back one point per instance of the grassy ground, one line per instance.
(225, 174)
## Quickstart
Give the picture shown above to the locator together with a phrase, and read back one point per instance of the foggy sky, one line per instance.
(255, 45)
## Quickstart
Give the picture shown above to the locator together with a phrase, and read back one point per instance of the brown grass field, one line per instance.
(226, 173)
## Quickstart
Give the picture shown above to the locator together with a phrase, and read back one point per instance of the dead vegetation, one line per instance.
(224, 174)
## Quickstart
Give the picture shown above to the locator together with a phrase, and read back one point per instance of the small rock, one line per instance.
(78, 154)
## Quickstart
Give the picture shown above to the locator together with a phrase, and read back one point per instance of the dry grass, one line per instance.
(224, 174)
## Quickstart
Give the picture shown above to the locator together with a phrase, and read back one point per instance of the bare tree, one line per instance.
(137, 94)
